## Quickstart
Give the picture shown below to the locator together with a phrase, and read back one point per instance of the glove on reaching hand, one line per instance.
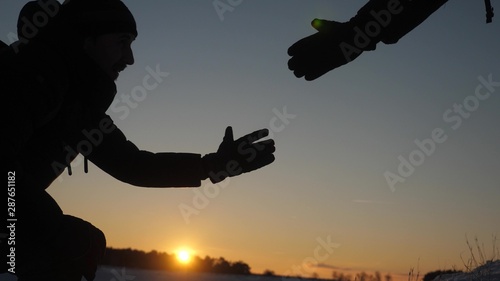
(336, 44)
(235, 157)
(332, 46)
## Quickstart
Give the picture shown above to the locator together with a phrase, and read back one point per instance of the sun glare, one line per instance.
(183, 256)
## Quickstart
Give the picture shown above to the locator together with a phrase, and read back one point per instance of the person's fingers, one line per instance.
(314, 75)
(259, 162)
(291, 63)
(264, 147)
(228, 135)
(254, 136)
(318, 24)
(292, 50)
(299, 64)
(299, 73)
(309, 66)
(328, 26)
(300, 46)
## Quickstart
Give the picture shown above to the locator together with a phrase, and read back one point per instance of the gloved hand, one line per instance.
(332, 46)
(235, 157)
(336, 44)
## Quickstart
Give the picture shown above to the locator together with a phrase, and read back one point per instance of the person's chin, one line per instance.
(114, 74)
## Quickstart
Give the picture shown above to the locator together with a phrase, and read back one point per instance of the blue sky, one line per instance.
(348, 128)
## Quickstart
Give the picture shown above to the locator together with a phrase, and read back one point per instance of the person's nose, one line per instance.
(128, 56)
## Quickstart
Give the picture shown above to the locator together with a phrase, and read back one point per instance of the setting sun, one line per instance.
(183, 256)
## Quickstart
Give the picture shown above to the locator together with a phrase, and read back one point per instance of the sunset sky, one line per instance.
(325, 200)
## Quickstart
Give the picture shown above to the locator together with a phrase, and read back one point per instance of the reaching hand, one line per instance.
(332, 46)
(235, 157)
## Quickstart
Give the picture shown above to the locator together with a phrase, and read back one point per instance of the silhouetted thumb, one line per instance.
(228, 135)
(325, 26)
(319, 24)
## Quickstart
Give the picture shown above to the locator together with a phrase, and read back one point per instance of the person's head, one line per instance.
(108, 28)
(103, 29)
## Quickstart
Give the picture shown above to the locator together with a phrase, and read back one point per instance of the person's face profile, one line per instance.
(112, 52)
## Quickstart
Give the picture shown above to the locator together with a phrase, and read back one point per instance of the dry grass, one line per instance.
(476, 263)
(411, 274)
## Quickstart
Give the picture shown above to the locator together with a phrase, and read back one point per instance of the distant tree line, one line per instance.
(162, 261)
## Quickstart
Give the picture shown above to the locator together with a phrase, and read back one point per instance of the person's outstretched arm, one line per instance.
(123, 160)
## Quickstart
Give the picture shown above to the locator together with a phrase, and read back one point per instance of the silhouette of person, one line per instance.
(336, 44)
(58, 80)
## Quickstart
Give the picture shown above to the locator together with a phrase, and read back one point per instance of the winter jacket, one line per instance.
(56, 103)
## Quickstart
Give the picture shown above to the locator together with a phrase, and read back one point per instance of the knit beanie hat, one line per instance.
(98, 17)
(83, 18)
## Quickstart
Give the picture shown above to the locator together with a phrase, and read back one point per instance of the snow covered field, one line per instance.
(488, 272)
(128, 274)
